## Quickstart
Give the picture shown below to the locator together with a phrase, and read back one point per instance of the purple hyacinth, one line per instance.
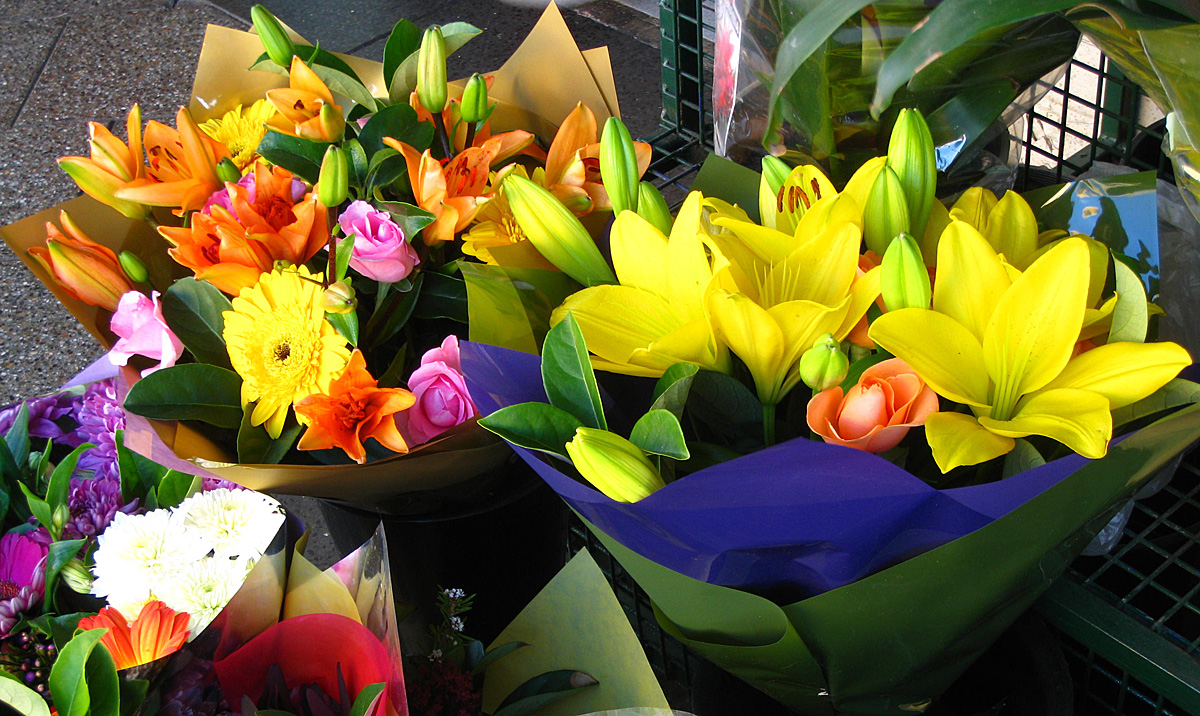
(99, 415)
(93, 503)
(43, 412)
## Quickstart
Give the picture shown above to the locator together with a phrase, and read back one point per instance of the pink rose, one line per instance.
(139, 324)
(442, 399)
(380, 250)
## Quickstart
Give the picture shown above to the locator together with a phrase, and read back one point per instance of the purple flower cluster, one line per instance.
(99, 415)
(43, 414)
(93, 503)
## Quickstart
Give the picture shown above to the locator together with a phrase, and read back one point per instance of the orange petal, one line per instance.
(578, 130)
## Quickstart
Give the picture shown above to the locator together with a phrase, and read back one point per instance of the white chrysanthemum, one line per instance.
(239, 523)
(137, 553)
(203, 588)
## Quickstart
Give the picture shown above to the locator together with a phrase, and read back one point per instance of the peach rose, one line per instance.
(877, 412)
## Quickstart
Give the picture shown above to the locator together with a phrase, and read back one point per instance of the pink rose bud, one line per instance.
(139, 324)
(380, 249)
(442, 398)
(876, 414)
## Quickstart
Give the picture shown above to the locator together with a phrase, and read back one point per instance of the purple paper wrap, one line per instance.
(794, 520)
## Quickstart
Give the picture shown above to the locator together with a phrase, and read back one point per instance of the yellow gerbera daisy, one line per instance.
(241, 130)
(281, 345)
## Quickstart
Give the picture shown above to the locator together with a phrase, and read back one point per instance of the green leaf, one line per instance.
(57, 555)
(8, 465)
(133, 693)
(391, 315)
(567, 374)
(256, 447)
(658, 432)
(947, 27)
(17, 437)
(193, 391)
(404, 40)
(21, 698)
(176, 487)
(534, 426)
(1131, 315)
(394, 375)
(390, 168)
(347, 85)
(399, 122)
(60, 480)
(443, 296)
(671, 390)
(495, 654)
(1024, 456)
(139, 474)
(858, 367)
(310, 55)
(1175, 393)
(341, 257)
(68, 677)
(366, 698)
(411, 219)
(59, 628)
(193, 309)
(38, 507)
(358, 161)
(725, 404)
(346, 325)
(300, 156)
(543, 689)
(404, 80)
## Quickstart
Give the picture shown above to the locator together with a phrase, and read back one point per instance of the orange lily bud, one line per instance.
(112, 164)
(84, 269)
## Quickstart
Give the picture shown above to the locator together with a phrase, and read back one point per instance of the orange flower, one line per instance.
(183, 167)
(573, 162)
(517, 141)
(83, 268)
(157, 632)
(308, 104)
(111, 166)
(230, 249)
(355, 409)
(877, 413)
(451, 193)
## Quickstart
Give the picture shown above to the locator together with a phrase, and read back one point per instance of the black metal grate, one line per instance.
(1104, 689)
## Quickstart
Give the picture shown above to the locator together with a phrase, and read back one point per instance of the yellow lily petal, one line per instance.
(1123, 372)
(862, 294)
(1034, 327)
(939, 349)
(769, 245)
(691, 343)
(974, 206)
(639, 253)
(970, 278)
(828, 212)
(859, 186)
(958, 439)
(1097, 321)
(754, 336)
(939, 219)
(805, 186)
(1012, 228)
(1079, 419)
(721, 207)
(821, 269)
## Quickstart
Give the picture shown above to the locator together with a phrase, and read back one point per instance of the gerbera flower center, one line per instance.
(8, 590)
(283, 351)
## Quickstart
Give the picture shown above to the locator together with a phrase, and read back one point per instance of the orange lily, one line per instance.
(354, 410)
(83, 268)
(308, 104)
(157, 632)
(514, 142)
(452, 193)
(183, 167)
(573, 162)
(112, 165)
(232, 249)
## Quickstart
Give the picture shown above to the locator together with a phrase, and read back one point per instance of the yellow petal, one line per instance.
(311, 591)
(617, 320)
(802, 323)
(939, 219)
(970, 278)
(1123, 372)
(768, 245)
(1012, 228)
(958, 439)
(687, 268)
(1079, 419)
(821, 269)
(974, 206)
(753, 335)
(859, 186)
(639, 253)
(862, 294)
(939, 349)
(1033, 329)
(690, 343)
(829, 211)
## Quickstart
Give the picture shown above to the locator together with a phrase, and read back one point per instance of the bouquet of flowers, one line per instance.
(866, 403)
(296, 309)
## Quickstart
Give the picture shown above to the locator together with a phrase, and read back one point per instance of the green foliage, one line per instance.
(192, 391)
(194, 310)
(567, 374)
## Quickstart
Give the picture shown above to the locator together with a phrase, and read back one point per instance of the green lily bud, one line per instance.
(339, 297)
(227, 171)
(133, 267)
(653, 207)
(431, 70)
(76, 576)
(555, 232)
(333, 124)
(475, 106)
(333, 184)
(910, 155)
(618, 166)
(904, 280)
(61, 514)
(886, 214)
(824, 365)
(613, 465)
(275, 40)
(774, 174)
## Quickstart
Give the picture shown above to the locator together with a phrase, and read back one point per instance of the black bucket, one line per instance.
(501, 536)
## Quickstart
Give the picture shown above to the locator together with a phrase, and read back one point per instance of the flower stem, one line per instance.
(332, 266)
(470, 134)
(768, 424)
(440, 125)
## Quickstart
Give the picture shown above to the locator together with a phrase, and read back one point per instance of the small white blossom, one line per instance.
(435, 655)
(239, 523)
(455, 593)
(456, 623)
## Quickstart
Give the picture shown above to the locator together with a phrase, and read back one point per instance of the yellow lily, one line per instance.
(779, 293)
(656, 316)
(804, 186)
(111, 166)
(1008, 223)
(1001, 342)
